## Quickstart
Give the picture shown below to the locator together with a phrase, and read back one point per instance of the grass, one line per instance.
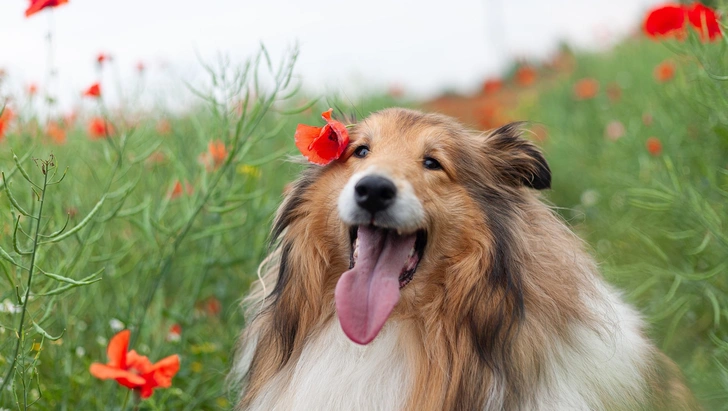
(112, 246)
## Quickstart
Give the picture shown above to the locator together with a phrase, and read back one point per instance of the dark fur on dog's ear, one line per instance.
(518, 160)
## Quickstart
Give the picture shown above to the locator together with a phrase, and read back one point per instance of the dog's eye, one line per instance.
(361, 151)
(431, 164)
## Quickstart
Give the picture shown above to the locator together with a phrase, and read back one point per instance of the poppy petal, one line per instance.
(322, 145)
(705, 21)
(105, 372)
(304, 138)
(165, 369)
(116, 350)
(139, 362)
(667, 20)
(339, 128)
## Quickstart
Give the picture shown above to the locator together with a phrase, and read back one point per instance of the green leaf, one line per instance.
(45, 334)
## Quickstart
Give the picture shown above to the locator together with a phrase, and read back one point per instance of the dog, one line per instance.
(421, 271)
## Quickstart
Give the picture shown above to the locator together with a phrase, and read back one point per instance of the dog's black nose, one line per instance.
(374, 193)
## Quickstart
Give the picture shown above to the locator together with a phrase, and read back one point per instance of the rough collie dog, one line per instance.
(421, 271)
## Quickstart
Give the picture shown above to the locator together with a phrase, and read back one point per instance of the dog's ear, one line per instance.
(516, 159)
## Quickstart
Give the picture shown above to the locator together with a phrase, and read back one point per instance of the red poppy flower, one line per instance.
(217, 152)
(322, 145)
(492, 86)
(614, 92)
(38, 5)
(705, 21)
(102, 57)
(175, 333)
(526, 75)
(654, 146)
(32, 89)
(99, 128)
(140, 67)
(163, 127)
(177, 190)
(666, 21)
(5, 118)
(664, 71)
(133, 370)
(212, 306)
(586, 88)
(93, 91)
(56, 132)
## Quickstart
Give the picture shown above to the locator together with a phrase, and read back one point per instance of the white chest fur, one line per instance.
(333, 373)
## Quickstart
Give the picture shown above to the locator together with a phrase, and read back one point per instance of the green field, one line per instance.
(113, 246)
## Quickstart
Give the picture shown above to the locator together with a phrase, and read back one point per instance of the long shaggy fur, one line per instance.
(506, 310)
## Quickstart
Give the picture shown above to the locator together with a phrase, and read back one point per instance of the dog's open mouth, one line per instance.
(382, 262)
(410, 262)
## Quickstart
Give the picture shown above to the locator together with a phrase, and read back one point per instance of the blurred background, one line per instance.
(346, 47)
(145, 146)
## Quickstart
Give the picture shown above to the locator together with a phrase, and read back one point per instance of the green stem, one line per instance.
(27, 290)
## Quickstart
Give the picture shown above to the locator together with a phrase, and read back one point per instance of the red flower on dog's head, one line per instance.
(93, 91)
(133, 370)
(38, 5)
(322, 145)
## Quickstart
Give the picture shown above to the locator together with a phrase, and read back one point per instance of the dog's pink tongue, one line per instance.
(367, 294)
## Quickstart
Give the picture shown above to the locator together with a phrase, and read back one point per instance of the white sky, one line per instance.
(425, 46)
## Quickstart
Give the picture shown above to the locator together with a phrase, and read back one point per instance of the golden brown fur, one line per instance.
(502, 284)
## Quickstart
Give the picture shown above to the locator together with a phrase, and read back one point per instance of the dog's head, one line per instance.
(411, 197)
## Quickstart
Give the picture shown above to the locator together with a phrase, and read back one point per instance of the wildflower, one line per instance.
(489, 115)
(80, 352)
(140, 67)
(163, 127)
(101, 58)
(217, 152)
(175, 333)
(7, 306)
(664, 71)
(177, 190)
(654, 146)
(666, 21)
(56, 132)
(248, 170)
(586, 88)
(670, 21)
(322, 145)
(133, 370)
(705, 21)
(116, 325)
(93, 91)
(614, 130)
(212, 306)
(157, 157)
(32, 89)
(492, 86)
(99, 128)
(589, 198)
(38, 5)
(5, 117)
(614, 92)
(526, 75)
